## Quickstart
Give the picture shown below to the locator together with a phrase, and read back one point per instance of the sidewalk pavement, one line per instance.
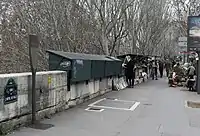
(162, 112)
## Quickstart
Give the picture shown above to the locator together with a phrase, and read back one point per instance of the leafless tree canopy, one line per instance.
(110, 27)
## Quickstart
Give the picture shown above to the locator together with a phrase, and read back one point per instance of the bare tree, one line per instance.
(110, 18)
(110, 27)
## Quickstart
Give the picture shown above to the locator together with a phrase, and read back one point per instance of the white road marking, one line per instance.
(132, 108)
(122, 101)
(135, 106)
(88, 109)
(91, 105)
(114, 108)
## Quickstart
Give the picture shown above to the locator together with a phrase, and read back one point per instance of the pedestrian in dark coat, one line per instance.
(161, 67)
(154, 70)
(129, 71)
(168, 67)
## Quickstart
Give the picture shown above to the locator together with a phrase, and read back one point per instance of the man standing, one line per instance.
(129, 71)
(191, 71)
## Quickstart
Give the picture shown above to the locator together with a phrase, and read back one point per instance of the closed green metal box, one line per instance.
(109, 69)
(98, 65)
(59, 63)
(81, 70)
(98, 69)
(78, 65)
(83, 67)
(113, 66)
(116, 66)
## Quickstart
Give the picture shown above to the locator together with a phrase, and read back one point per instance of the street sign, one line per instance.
(194, 33)
(182, 39)
(182, 44)
(10, 92)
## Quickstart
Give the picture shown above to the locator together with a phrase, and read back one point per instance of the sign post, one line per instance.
(194, 43)
(1, 43)
(33, 53)
(182, 43)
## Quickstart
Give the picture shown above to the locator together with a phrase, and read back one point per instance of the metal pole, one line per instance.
(33, 96)
(184, 58)
(33, 50)
(189, 14)
(198, 75)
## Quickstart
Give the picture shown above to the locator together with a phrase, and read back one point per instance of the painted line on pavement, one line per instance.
(88, 109)
(135, 106)
(113, 108)
(91, 105)
(132, 108)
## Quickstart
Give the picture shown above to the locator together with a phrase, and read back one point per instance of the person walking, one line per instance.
(161, 67)
(167, 67)
(155, 70)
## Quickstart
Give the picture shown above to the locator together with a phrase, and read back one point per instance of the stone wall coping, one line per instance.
(29, 73)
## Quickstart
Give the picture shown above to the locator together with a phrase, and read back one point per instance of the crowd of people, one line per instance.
(157, 67)
(184, 73)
